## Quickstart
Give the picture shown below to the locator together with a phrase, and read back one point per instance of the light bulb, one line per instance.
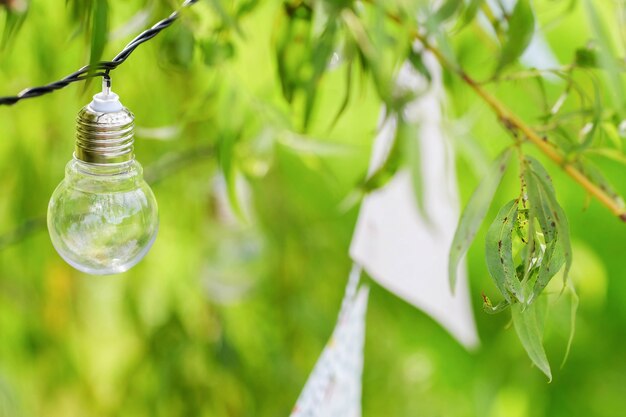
(103, 217)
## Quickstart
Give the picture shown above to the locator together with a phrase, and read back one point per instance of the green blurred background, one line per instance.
(227, 318)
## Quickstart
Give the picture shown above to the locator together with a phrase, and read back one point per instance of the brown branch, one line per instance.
(513, 122)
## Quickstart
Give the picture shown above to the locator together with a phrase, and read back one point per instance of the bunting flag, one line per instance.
(399, 248)
(334, 387)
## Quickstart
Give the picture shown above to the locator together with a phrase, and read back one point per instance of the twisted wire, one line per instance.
(98, 69)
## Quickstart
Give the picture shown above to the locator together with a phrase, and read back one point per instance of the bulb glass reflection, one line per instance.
(103, 217)
(102, 220)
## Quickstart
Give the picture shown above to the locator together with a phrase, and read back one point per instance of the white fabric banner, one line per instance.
(393, 243)
(334, 387)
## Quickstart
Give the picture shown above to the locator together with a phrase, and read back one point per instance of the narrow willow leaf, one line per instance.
(536, 167)
(292, 46)
(99, 30)
(227, 164)
(499, 253)
(470, 13)
(417, 62)
(548, 200)
(323, 49)
(551, 263)
(597, 117)
(573, 309)
(606, 58)
(407, 133)
(388, 169)
(474, 214)
(519, 35)
(446, 11)
(13, 23)
(540, 207)
(346, 97)
(528, 323)
(597, 177)
(246, 8)
(612, 134)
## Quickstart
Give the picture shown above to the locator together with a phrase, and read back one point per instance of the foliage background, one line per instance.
(227, 320)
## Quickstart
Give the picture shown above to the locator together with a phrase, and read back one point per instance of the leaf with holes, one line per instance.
(499, 253)
(551, 263)
(550, 206)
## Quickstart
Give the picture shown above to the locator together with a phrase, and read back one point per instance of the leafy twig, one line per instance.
(514, 123)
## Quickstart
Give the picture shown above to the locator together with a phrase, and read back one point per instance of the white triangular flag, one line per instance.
(393, 243)
(334, 387)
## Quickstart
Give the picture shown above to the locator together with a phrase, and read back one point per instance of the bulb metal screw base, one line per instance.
(105, 131)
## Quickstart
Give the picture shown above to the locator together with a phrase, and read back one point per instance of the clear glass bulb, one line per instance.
(103, 219)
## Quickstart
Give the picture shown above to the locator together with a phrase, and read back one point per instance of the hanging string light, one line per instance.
(103, 217)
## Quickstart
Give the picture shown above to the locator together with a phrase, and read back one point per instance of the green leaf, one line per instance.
(446, 11)
(528, 323)
(226, 158)
(597, 177)
(99, 30)
(519, 35)
(292, 45)
(407, 133)
(346, 97)
(553, 215)
(612, 134)
(539, 205)
(586, 58)
(606, 58)
(597, 117)
(388, 169)
(215, 52)
(573, 309)
(12, 25)
(179, 46)
(226, 18)
(416, 60)
(551, 263)
(323, 49)
(474, 214)
(499, 253)
(470, 13)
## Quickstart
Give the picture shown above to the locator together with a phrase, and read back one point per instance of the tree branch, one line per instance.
(513, 122)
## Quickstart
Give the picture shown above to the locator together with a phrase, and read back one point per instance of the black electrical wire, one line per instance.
(99, 69)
